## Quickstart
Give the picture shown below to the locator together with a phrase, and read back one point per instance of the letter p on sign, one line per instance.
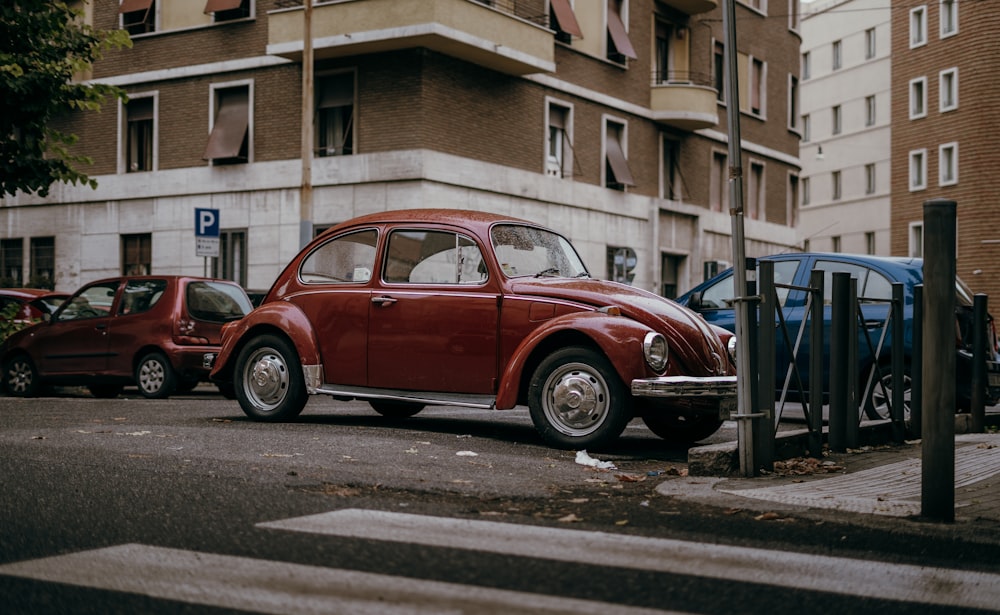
(206, 232)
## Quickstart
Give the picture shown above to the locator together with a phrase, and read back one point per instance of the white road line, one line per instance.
(870, 579)
(263, 586)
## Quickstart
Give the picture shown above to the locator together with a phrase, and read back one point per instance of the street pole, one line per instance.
(744, 398)
(306, 189)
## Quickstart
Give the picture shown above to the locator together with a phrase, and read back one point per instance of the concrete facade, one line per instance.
(441, 117)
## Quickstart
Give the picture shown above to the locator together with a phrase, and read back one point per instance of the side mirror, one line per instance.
(694, 302)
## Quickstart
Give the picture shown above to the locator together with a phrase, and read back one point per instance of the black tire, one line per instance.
(227, 390)
(681, 429)
(395, 409)
(577, 401)
(186, 385)
(879, 397)
(105, 391)
(20, 378)
(155, 376)
(268, 379)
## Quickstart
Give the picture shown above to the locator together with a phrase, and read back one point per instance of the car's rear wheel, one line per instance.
(105, 391)
(395, 409)
(577, 400)
(268, 379)
(155, 376)
(20, 378)
(878, 401)
(681, 429)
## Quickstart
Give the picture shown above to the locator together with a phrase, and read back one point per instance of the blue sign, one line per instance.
(206, 232)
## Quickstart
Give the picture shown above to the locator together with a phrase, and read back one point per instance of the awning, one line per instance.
(619, 166)
(230, 128)
(566, 18)
(131, 6)
(616, 28)
(213, 6)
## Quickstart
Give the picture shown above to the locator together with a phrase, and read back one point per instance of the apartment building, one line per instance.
(603, 119)
(944, 117)
(846, 127)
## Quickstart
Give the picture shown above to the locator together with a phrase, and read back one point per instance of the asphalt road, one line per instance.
(186, 506)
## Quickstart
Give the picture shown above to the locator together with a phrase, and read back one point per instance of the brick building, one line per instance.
(600, 118)
(944, 112)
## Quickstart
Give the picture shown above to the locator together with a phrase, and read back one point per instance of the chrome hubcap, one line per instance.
(576, 399)
(267, 378)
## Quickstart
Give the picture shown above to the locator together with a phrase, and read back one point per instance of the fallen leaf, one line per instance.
(621, 522)
(733, 511)
(768, 516)
(570, 518)
(579, 500)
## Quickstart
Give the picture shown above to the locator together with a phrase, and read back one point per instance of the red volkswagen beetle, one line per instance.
(449, 307)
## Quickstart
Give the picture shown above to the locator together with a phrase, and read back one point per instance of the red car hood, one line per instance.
(692, 341)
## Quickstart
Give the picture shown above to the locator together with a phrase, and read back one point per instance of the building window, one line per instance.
(794, 19)
(792, 203)
(918, 169)
(870, 242)
(835, 185)
(948, 163)
(806, 66)
(140, 118)
(870, 110)
(918, 26)
(838, 54)
(231, 264)
(618, 43)
(804, 186)
(12, 263)
(559, 149)
(916, 240)
(870, 178)
(793, 102)
(138, 16)
(43, 262)
(756, 202)
(662, 59)
(949, 17)
(835, 243)
(758, 86)
(719, 182)
(335, 115)
(949, 89)
(918, 98)
(806, 128)
(870, 43)
(229, 10)
(670, 169)
(836, 120)
(562, 19)
(616, 171)
(719, 66)
(229, 139)
(137, 254)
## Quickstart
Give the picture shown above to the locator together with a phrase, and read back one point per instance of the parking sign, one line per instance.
(206, 232)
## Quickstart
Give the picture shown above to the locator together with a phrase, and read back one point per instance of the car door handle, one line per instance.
(874, 324)
(101, 326)
(383, 301)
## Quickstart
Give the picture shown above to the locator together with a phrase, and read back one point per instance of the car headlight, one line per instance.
(731, 347)
(656, 351)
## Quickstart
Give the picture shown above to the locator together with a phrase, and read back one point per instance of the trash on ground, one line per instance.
(584, 459)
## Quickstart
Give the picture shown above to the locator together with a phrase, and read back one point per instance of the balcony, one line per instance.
(488, 34)
(684, 100)
(692, 7)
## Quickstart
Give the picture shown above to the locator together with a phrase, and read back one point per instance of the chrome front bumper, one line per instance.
(721, 389)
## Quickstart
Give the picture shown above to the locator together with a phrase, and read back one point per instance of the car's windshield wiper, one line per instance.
(549, 271)
(582, 274)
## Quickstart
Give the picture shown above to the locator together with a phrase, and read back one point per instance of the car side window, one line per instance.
(92, 302)
(216, 301)
(866, 288)
(720, 295)
(345, 259)
(141, 295)
(432, 257)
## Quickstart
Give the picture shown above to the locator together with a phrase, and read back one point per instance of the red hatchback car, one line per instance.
(461, 308)
(33, 303)
(151, 331)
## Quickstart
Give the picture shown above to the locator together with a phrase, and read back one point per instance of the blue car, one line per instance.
(874, 277)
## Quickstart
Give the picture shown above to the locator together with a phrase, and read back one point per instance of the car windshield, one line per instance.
(530, 251)
(217, 301)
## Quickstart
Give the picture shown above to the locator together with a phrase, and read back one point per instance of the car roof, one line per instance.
(844, 256)
(31, 293)
(480, 220)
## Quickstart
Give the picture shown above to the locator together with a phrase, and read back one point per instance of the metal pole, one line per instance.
(764, 325)
(978, 383)
(852, 418)
(897, 409)
(744, 394)
(816, 365)
(839, 323)
(306, 189)
(938, 447)
(916, 366)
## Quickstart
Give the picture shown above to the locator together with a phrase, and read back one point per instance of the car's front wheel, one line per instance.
(268, 379)
(20, 377)
(155, 376)
(577, 400)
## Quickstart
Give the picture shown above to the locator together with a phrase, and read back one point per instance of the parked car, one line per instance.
(874, 277)
(34, 303)
(150, 331)
(460, 308)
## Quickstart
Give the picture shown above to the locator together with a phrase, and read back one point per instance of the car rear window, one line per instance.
(216, 301)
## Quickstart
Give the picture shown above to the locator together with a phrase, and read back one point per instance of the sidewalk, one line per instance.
(875, 483)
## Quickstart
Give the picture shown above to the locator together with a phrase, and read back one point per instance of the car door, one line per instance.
(433, 318)
(75, 341)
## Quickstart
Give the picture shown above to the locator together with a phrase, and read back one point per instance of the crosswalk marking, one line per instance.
(263, 586)
(864, 578)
